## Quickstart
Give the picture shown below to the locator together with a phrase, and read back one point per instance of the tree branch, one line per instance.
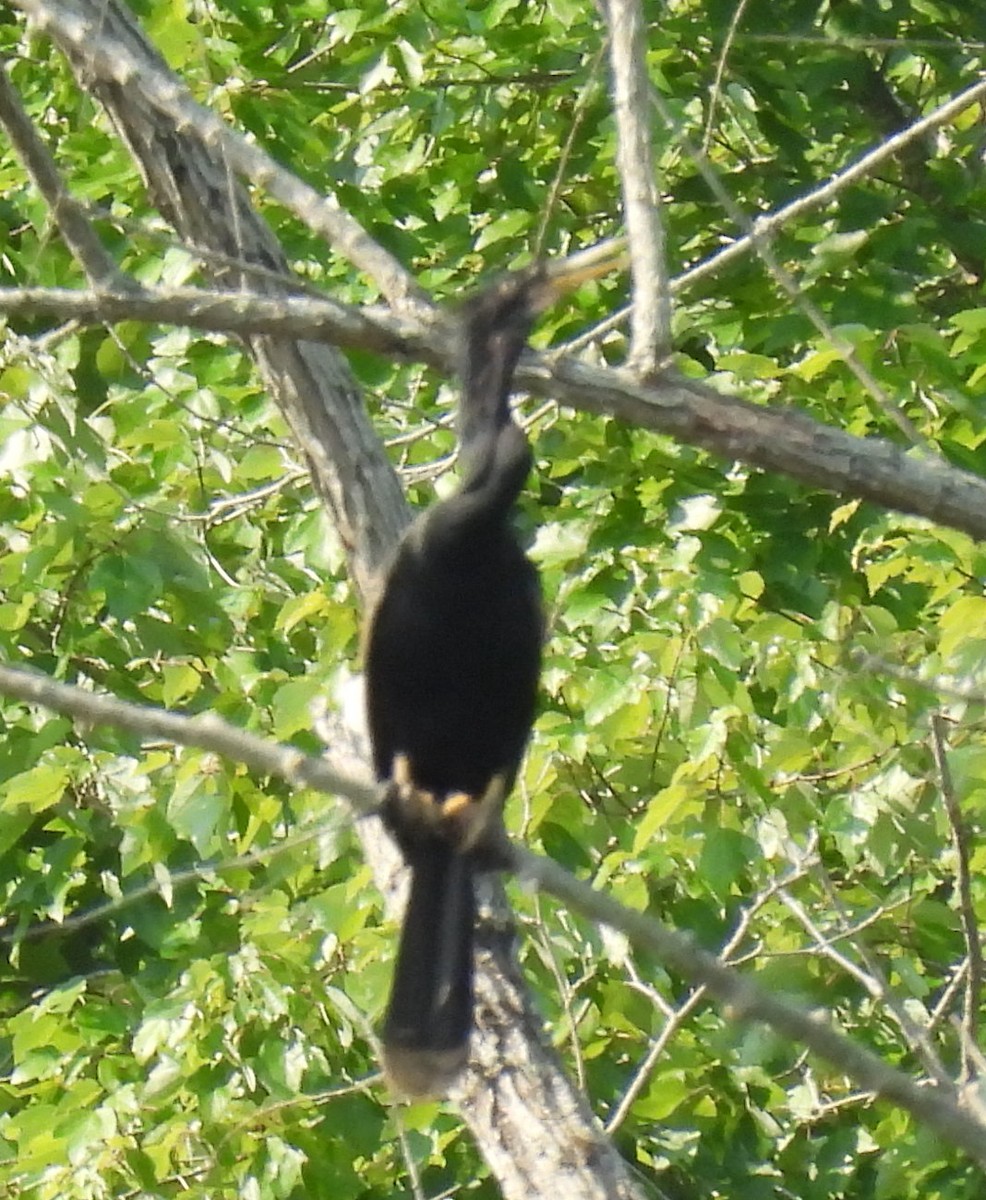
(872, 979)
(315, 319)
(650, 321)
(766, 226)
(128, 61)
(826, 193)
(746, 1002)
(772, 438)
(69, 215)
(190, 180)
(716, 90)
(744, 999)
(727, 955)
(790, 285)
(206, 732)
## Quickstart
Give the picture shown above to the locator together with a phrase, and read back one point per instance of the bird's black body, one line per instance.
(453, 658)
(452, 662)
(453, 653)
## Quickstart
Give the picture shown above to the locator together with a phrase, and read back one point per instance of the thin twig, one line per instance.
(574, 127)
(944, 1002)
(678, 1017)
(768, 225)
(746, 1002)
(716, 90)
(919, 1036)
(876, 985)
(846, 41)
(763, 245)
(967, 908)
(564, 990)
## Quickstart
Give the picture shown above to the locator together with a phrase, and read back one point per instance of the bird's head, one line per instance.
(504, 312)
(497, 322)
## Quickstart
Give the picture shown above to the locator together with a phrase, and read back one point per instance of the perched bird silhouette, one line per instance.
(453, 653)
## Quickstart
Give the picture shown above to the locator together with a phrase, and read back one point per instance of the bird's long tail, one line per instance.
(429, 1016)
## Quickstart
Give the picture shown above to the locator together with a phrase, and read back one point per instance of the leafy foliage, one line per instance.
(719, 743)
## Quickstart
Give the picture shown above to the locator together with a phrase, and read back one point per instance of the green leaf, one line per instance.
(35, 790)
(507, 226)
(198, 810)
(293, 706)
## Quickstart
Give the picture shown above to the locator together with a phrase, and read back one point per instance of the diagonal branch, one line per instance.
(826, 193)
(727, 955)
(774, 439)
(69, 214)
(723, 57)
(745, 1000)
(789, 283)
(116, 54)
(205, 732)
(765, 227)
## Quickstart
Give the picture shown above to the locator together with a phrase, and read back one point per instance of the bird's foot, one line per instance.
(463, 820)
(416, 806)
(472, 817)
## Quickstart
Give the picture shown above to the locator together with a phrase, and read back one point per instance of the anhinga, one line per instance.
(453, 653)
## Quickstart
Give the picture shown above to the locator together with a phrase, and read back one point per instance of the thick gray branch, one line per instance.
(775, 439)
(650, 321)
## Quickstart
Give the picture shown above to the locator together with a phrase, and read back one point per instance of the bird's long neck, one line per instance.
(495, 458)
(497, 467)
(489, 360)
(493, 450)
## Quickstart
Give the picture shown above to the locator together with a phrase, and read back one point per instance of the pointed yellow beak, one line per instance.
(563, 275)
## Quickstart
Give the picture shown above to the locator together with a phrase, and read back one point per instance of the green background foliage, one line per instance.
(704, 720)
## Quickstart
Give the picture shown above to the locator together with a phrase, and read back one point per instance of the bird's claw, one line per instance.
(462, 819)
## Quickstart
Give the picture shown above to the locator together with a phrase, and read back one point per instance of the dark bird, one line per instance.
(453, 651)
